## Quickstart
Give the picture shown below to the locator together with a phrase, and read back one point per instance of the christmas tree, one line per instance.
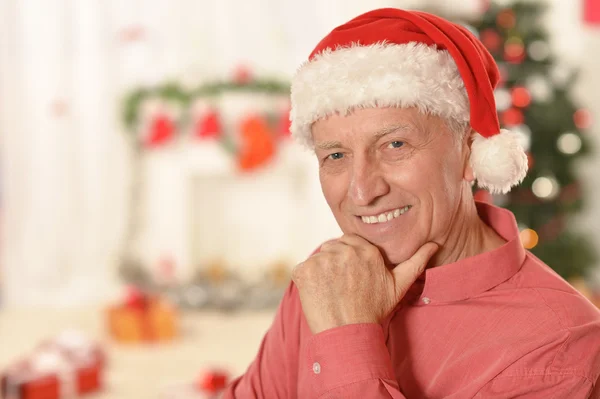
(535, 99)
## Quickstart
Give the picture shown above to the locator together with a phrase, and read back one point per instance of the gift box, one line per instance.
(142, 318)
(209, 385)
(68, 366)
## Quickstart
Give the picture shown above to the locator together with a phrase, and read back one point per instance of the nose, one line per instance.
(367, 182)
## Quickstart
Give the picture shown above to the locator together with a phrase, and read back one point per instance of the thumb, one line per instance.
(407, 272)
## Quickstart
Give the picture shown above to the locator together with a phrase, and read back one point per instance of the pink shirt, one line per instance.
(497, 325)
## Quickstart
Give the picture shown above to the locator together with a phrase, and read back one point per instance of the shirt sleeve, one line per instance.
(268, 375)
(540, 386)
(351, 361)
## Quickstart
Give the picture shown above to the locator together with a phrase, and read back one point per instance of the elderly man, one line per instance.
(427, 294)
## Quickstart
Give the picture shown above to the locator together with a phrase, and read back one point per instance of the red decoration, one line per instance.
(512, 117)
(483, 196)
(521, 97)
(582, 119)
(591, 12)
(208, 125)
(212, 381)
(257, 143)
(514, 52)
(135, 298)
(242, 75)
(491, 40)
(161, 130)
(506, 19)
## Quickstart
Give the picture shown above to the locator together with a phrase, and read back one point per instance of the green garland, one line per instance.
(173, 92)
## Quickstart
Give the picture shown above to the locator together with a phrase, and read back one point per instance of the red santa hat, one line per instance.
(391, 57)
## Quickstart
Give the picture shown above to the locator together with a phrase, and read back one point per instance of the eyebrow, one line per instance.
(329, 145)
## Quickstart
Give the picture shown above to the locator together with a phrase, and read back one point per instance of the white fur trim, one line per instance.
(499, 162)
(379, 75)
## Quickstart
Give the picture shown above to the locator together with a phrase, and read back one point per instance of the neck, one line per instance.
(468, 235)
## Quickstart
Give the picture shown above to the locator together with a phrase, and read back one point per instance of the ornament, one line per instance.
(503, 99)
(512, 117)
(545, 188)
(529, 238)
(568, 143)
(161, 130)
(520, 97)
(483, 196)
(257, 143)
(582, 118)
(212, 381)
(491, 39)
(207, 123)
(540, 88)
(523, 133)
(538, 50)
(506, 19)
(242, 75)
(514, 50)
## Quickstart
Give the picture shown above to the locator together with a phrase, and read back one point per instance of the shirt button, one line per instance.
(426, 300)
(316, 368)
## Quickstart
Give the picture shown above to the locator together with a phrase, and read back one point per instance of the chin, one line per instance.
(394, 255)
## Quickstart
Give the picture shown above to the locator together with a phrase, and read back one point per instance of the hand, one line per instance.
(347, 282)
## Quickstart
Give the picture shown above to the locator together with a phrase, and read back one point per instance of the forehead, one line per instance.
(369, 123)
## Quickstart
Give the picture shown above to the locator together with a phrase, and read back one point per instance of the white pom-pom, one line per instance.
(499, 162)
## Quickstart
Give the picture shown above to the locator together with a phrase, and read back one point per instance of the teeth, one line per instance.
(385, 217)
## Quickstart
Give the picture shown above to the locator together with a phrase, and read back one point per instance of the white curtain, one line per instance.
(64, 66)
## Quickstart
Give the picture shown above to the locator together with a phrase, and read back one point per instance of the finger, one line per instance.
(355, 240)
(408, 271)
(331, 245)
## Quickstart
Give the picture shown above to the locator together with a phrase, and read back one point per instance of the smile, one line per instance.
(386, 216)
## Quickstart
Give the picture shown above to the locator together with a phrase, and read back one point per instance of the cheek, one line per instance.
(333, 188)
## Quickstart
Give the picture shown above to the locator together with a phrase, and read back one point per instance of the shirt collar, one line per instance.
(472, 276)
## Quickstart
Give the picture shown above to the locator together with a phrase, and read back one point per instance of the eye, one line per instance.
(396, 144)
(336, 155)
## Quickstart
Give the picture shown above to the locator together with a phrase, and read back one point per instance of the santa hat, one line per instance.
(391, 57)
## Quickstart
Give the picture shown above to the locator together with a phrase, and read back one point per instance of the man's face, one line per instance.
(392, 176)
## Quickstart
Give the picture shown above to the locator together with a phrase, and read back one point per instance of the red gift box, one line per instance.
(66, 367)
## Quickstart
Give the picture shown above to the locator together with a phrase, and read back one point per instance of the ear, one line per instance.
(468, 173)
